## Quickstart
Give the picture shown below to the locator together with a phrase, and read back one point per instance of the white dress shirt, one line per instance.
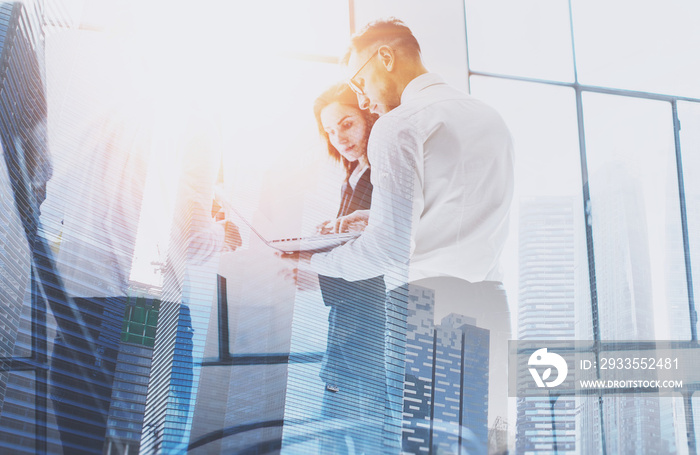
(442, 171)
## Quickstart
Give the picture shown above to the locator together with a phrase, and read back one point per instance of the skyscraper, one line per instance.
(173, 384)
(24, 171)
(446, 386)
(625, 308)
(125, 421)
(14, 273)
(189, 294)
(547, 263)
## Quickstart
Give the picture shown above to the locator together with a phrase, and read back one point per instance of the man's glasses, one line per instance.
(354, 85)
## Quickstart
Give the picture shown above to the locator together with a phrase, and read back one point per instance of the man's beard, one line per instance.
(391, 94)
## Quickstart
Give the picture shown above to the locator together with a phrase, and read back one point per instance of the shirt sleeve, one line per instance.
(205, 237)
(395, 153)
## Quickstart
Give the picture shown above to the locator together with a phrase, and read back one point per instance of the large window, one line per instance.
(603, 104)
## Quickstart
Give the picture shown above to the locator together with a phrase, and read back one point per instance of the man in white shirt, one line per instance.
(446, 154)
(442, 171)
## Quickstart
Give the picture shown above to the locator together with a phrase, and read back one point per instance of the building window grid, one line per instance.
(579, 89)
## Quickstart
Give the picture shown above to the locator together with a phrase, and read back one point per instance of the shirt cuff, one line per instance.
(317, 263)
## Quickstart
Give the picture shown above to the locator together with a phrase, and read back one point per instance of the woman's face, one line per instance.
(347, 130)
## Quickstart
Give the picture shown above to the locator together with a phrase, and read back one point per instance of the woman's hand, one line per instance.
(354, 222)
(326, 227)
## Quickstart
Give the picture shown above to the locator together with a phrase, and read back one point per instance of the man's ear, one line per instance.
(387, 56)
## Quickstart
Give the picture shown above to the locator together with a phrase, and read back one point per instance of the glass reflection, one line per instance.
(530, 39)
(650, 55)
(689, 116)
(548, 255)
(636, 237)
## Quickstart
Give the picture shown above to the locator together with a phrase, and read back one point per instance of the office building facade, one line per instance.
(447, 378)
(132, 373)
(188, 302)
(626, 309)
(546, 300)
(24, 172)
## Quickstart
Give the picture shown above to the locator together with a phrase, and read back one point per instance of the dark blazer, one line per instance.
(358, 199)
(337, 291)
(357, 318)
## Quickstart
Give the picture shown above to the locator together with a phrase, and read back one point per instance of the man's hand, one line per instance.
(232, 239)
(354, 222)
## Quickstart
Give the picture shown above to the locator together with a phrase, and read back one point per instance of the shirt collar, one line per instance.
(419, 83)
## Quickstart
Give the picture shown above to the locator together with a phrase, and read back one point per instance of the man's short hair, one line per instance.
(390, 31)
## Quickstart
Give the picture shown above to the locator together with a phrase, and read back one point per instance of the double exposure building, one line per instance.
(447, 378)
(24, 170)
(125, 422)
(625, 310)
(187, 304)
(546, 299)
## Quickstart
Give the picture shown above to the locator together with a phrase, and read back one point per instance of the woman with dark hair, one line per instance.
(353, 366)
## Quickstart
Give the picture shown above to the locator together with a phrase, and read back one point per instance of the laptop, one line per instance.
(315, 243)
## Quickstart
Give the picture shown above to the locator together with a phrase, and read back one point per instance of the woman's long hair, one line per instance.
(342, 94)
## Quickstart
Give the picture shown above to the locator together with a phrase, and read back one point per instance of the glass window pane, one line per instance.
(638, 45)
(637, 243)
(545, 260)
(531, 39)
(689, 116)
(548, 187)
(131, 338)
(136, 329)
(635, 215)
(139, 315)
(150, 332)
(152, 318)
